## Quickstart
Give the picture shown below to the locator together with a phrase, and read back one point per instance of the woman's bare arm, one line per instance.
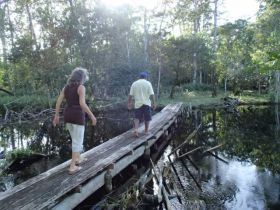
(84, 106)
(57, 107)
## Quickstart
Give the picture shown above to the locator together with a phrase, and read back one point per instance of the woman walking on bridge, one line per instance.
(74, 114)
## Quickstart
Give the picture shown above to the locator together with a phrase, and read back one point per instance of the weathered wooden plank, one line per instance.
(46, 189)
(97, 182)
(107, 151)
(105, 147)
(186, 141)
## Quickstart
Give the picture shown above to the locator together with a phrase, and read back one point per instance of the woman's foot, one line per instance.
(135, 133)
(74, 169)
(148, 133)
(81, 160)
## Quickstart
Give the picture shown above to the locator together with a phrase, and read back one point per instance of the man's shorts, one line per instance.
(143, 113)
(77, 136)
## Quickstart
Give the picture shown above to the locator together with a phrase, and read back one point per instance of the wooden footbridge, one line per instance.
(54, 189)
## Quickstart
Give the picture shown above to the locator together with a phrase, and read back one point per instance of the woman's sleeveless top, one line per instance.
(73, 112)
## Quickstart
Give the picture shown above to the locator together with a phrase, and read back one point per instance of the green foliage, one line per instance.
(178, 58)
(266, 54)
(205, 98)
(192, 13)
(127, 200)
(33, 102)
(250, 137)
(234, 52)
(197, 87)
(18, 153)
(110, 43)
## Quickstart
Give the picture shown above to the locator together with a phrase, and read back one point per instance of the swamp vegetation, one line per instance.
(241, 173)
(201, 63)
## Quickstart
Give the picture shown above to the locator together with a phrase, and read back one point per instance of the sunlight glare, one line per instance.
(240, 9)
(136, 3)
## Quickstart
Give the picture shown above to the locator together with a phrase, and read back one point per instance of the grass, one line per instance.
(194, 98)
(204, 98)
(255, 99)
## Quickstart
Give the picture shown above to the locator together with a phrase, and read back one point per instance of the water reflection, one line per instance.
(239, 185)
(54, 142)
(250, 141)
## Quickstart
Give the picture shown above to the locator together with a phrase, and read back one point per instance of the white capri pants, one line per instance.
(77, 136)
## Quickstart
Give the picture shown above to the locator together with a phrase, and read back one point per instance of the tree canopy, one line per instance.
(178, 42)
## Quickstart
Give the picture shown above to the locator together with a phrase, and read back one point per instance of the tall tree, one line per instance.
(215, 45)
(192, 12)
(267, 53)
(3, 32)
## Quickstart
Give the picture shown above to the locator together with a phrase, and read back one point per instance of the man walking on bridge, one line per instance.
(143, 94)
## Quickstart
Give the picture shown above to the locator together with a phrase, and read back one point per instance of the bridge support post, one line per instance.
(108, 178)
(166, 134)
(134, 168)
(176, 122)
(147, 153)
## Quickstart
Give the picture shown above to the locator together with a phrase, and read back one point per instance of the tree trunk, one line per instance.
(2, 34)
(4, 49)
(159, 56)
(13, 143)
(175, 83)
(226, 84)
(11, 28)
(259, 81)
(195, 29)
(145, 39)
(172, 92)
(277, 86)
(259, 86)
(159, 74)
(194, 68)
(215, 46)
(277, 120)
(215, 24)
(31, 27)
(128, 50)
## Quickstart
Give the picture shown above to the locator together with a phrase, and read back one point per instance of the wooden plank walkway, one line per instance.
(52, 189)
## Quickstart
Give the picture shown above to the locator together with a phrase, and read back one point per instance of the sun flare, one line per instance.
(136, 3)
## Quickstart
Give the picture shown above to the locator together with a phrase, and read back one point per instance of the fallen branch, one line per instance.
(186, 141)
(163, 190)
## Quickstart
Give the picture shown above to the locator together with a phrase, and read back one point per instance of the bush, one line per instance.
(198, 87)
(18, 153)
(33, 102)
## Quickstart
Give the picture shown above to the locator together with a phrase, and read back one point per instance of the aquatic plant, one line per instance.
(18, 153)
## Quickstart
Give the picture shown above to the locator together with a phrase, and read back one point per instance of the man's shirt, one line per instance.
(141, 90)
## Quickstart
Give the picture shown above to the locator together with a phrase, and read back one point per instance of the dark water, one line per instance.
(246, 173)
(54, 142)
(245, 177)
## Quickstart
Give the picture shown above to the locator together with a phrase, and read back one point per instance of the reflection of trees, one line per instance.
(40, 136)
(12, 136)
(277, 120)
(249, 137)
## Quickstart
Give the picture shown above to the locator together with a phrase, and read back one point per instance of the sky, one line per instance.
(238, 9)
(231, 9)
